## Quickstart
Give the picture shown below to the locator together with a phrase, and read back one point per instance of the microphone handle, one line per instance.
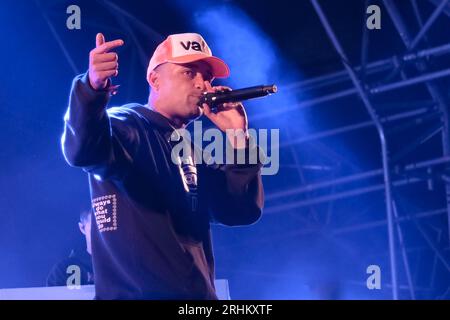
(238, 95)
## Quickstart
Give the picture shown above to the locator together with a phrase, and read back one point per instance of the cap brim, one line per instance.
(219, 68)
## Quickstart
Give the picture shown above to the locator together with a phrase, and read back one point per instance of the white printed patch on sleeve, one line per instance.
(105, 210)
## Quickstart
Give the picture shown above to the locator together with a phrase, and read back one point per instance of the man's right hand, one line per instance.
(102, 63)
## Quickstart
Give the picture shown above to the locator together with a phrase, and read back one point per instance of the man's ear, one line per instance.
(82, 229)
(153, 80)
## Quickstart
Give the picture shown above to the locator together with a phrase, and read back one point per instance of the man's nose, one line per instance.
(200, 83)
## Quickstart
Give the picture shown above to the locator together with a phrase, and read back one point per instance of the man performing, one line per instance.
(151, 224)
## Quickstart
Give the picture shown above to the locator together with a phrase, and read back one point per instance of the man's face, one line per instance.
(180, 86)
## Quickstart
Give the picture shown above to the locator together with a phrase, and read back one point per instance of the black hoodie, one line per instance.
(59, 274)
(151, 229)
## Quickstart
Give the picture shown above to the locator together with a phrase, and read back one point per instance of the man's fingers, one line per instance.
(222, 88)
(107, 74)
(99, 40)
(237, 106)
(207, 110)
(106, 66)
(103, 64)
(208, 87)
(232, 105)
(104, 57)
(105, 47)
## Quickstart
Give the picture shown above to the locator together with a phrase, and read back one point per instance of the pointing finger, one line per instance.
(105, 47)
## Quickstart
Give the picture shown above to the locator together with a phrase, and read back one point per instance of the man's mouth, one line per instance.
(198, 97)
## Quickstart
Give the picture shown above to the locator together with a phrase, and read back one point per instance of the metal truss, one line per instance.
(395, 173)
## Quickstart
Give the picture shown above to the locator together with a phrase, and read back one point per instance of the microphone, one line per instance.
(216, 98)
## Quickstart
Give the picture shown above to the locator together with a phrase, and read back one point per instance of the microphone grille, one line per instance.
(270, 88)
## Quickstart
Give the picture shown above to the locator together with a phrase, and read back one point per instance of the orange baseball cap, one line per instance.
(185, 48)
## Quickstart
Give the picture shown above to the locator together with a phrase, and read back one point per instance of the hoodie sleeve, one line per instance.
(235, 191)
(93, 139)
